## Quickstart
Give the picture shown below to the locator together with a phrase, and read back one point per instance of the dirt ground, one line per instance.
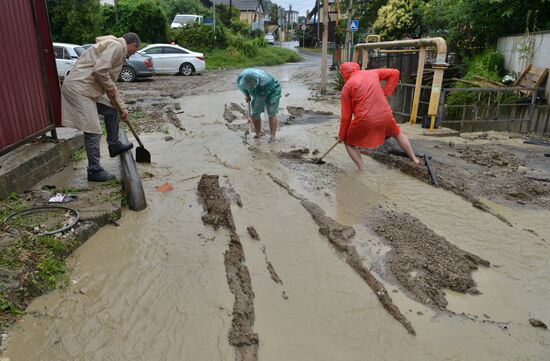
(260, 254)
(504, 173)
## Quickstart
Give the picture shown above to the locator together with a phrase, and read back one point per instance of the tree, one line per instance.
(144, 17)
(473, 25)
(223, 15)
(274, 14)
(400, 18)
(76, 22)
(366, 12)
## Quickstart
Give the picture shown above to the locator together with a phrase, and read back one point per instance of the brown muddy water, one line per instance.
(157, 286)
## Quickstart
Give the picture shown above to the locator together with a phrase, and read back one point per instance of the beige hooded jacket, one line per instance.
(95, 72)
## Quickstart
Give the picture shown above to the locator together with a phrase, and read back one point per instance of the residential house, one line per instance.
(252, 11)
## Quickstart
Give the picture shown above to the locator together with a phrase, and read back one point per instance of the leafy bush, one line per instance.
(233, 58)
(489, 64)
(246, 46)
(144, 17)
(400, 18)
(199, 37)
(74, 22)
(260, 42)
(257, 33)
(240, 27)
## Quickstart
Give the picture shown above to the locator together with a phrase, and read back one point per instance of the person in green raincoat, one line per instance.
(264, 91)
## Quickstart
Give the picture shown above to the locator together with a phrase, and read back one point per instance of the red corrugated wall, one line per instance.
(29, 96)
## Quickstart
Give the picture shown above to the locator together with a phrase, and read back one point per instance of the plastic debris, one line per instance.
(166, 187)
(63, 198)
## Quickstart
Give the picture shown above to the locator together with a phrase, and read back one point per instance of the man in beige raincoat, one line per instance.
(90, 90)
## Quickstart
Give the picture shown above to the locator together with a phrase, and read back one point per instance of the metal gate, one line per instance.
(29, 90)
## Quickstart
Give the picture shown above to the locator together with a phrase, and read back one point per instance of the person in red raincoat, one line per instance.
(366, 118)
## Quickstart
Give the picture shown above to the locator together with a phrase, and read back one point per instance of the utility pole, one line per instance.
(291, 30)
(116, 11)
(214, 16)
(318, 19)
(325, 48)
(348, 44)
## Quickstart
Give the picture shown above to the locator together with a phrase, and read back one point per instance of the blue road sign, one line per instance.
(354, 25)
(208, 21)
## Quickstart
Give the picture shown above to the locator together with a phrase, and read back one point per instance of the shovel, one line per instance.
(320, 160)
(142, 154)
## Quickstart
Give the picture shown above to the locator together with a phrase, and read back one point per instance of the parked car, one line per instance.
(138, 66)
(181, 20)
(173, 59)
(270, 39)
(66, 56)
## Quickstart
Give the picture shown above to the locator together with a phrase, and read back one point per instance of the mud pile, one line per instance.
(486, 156)
(294, 154)
(423, 262)
(339, 236)
(483, 172)
(218, 214)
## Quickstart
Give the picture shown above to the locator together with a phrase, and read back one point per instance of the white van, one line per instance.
(186, 19)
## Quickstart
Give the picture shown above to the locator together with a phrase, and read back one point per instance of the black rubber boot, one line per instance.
(100, 176)
(115, 150)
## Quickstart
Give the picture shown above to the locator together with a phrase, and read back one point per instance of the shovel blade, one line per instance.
(143, 155)
(317, 161)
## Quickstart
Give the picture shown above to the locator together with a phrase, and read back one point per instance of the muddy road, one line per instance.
(258, 254)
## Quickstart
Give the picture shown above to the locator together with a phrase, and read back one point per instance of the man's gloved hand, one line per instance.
(247, 98)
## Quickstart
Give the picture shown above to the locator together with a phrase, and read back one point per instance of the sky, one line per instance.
(299, 5)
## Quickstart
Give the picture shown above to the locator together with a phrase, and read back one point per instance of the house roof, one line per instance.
(242, 5)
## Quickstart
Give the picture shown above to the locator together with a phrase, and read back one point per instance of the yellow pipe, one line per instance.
(391, 51)
(374, 37)
(440, 65)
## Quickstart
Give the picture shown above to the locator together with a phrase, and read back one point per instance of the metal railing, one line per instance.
(475, 109)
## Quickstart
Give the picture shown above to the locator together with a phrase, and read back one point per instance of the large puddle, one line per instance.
(155, 287)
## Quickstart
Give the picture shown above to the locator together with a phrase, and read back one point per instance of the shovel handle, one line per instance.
(133, 132)
(328, 151)
(116, 105)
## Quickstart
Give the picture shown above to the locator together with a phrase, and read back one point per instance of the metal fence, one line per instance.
(476, 109)
(30, 97)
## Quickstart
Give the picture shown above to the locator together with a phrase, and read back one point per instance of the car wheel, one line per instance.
(186, 69)
(127, 74)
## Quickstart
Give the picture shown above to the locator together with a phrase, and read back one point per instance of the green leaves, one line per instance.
(75, 22)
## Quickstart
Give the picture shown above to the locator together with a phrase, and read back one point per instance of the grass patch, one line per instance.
(11, 205)
(136, 116)
(37, 264)
(79, 155)
(235, 59)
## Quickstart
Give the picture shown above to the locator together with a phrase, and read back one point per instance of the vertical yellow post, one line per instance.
(365, 61)
(418, 85)
(356, 52)
(436, 92)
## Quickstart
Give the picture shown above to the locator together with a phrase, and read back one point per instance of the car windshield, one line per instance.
(79, 50)
(184, 19)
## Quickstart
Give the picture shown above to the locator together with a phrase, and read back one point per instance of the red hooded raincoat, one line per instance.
(367, 119)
